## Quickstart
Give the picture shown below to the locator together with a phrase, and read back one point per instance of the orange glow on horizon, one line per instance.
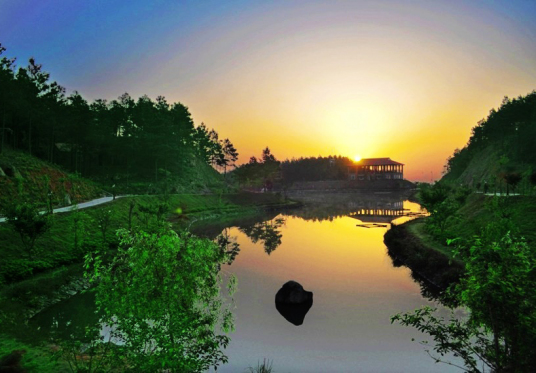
(405, 80)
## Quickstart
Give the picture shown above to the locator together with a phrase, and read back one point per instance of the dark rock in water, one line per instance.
(293, 302)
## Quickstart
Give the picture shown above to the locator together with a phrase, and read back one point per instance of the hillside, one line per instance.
(500, 149)
(25, 177)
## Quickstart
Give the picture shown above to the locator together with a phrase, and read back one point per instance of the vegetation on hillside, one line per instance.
(494, 237)
(27, 281)
(497, 290)
(500, 152)
(29, 178)
(118, 142)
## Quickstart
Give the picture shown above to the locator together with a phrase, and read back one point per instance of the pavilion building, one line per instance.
(376, 169)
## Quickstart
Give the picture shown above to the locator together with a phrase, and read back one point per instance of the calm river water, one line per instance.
(342, 259)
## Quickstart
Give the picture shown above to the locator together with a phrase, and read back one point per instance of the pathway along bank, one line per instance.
(430, 264)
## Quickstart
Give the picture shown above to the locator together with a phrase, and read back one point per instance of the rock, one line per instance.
(293, 293)
(293, 302)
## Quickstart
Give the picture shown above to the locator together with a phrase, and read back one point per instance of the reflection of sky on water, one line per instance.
(356, 290)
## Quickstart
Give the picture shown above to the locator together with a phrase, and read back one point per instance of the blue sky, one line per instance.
(308, 78)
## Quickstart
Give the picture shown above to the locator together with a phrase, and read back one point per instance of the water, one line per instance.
(356, 288)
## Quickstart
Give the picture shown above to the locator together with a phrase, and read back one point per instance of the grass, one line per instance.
(26, 281)
(434, 265)
(57, 246)
(34, 359)
(475, 214)
(265, 367)
(57, 261)
(35, 179)
(418, 229)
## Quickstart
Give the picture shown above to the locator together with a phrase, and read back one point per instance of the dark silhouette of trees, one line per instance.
(259, 172)
(512, 179)
(314, 169)
(228, 156)
(141, 139)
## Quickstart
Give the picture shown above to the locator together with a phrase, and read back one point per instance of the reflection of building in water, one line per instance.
(378, 211)
(376, 169)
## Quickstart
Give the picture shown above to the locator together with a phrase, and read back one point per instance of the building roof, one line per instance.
(378, 162)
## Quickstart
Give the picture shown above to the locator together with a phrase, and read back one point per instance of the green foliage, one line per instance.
(314, 169)
(498, 290)
(512, 179)
(76, 233)
(228, 245)
(134, 140)
(461, 338)
(533, 178)
(510, 131)
(431, 195)
(80, 221)
(34, 359)
(103, 219)
(153, 214)
(442, 202)
(259, 173)
(95, 356)
(26, 220)
(161, 296)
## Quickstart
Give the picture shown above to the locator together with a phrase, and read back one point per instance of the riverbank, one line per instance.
(21, 300)
(424, 254)
(409, 244)
(48, 281)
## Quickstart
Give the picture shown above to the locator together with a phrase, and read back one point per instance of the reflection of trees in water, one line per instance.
(266, 232)
(228, 245)
(429, 290)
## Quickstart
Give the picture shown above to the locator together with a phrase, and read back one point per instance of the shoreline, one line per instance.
(65, 281)
(432, 265)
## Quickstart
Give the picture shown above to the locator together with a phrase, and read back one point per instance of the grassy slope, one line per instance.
(417, 229)
(56, 247)
(36, 178)
(483, 166)
(474, 215)
(57, 260)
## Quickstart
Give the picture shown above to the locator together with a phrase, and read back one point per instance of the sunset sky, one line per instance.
(400, 79)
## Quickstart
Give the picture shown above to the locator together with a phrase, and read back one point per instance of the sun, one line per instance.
(357, 158)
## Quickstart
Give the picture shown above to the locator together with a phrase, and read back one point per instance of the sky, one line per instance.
(400, 79)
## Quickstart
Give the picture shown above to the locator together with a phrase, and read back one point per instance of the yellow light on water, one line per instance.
(357, 158)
